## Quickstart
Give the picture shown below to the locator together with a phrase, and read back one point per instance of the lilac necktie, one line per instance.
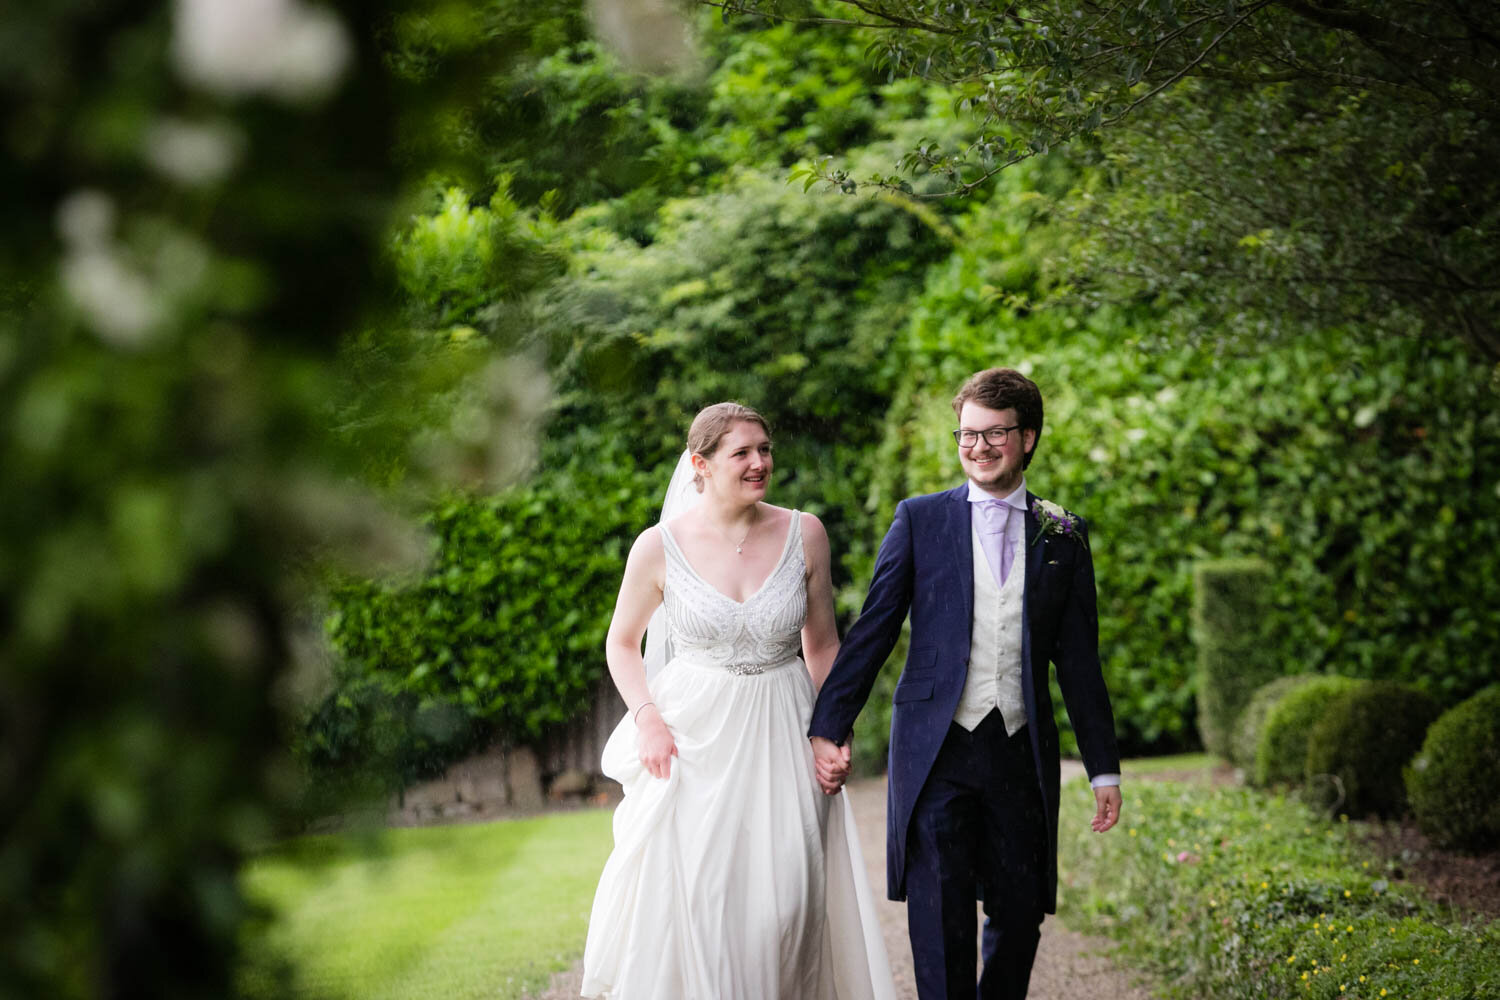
(993, 516)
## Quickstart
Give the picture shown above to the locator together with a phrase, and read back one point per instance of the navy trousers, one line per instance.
(978, 830)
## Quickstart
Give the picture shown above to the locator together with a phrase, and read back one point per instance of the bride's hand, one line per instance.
(654, 743)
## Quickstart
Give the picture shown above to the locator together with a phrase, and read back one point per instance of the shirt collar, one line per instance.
(1016, 499)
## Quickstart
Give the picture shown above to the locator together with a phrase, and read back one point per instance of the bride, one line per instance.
(733, 876)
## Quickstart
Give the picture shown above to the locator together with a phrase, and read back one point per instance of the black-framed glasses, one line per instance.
(993, 436)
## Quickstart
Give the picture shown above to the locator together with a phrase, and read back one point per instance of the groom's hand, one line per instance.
(1107, 814)
(831, 762)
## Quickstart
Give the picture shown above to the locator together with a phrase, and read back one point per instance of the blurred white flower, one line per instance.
(280, 47)
(123, 297)
(490, 438)
(86, 218)
(1098, 456)
(1167, 395)
(193, 153)
(1136, 434)
(649, 36)
(1026, 367)
(115, 300)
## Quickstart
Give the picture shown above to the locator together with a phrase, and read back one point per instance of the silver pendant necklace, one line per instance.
(739, 547)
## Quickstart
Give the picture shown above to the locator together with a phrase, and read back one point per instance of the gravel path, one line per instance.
(1068, 965)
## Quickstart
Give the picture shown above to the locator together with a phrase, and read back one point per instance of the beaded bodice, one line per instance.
(711, 629)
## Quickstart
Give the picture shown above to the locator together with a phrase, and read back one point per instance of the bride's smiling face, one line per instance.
(740, 467)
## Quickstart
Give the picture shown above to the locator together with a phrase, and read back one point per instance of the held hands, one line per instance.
(1107, 798)
(832, 764)
(654, 741)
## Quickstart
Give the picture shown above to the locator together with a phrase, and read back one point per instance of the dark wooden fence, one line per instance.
(578, 745)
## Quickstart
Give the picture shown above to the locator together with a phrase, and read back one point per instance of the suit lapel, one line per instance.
(1033, 549)
(1033, 555)
(959, 531)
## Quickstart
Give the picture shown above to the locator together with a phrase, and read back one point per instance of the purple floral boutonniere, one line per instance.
(1053, 520)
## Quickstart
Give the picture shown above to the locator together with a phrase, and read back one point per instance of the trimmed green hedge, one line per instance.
(1452, 781)
(1365, 737)
(1281, 751)
(1353, 467)
(502, 636)
(1231, 600)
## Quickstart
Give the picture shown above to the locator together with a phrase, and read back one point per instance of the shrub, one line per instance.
(1366, 736)
(1281, 753)
(1451, 783)
(1247, 728)
(1231, 599)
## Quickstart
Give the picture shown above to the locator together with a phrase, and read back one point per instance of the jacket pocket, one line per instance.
(912, 690)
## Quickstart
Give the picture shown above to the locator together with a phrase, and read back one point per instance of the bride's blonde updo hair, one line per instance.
(710, 426)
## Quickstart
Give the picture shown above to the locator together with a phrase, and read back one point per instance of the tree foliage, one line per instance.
(1303, 159)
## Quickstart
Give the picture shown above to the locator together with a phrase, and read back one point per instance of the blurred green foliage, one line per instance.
(197, 201)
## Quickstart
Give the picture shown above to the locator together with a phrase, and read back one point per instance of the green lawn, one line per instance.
(485, 910)
(1181, 764)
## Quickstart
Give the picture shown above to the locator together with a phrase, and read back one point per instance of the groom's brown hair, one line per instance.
(1005, 389)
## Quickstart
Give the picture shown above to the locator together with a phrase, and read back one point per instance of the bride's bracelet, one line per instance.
(635, 716)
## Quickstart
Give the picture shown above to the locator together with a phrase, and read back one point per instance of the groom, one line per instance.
(997, 583)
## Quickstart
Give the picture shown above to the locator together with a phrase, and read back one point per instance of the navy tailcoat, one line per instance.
(926, 568)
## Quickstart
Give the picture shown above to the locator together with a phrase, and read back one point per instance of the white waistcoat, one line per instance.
(994, 679)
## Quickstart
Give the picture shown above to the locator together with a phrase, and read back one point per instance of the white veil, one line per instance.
(681, 494)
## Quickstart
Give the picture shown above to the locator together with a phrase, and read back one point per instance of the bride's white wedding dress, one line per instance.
(735, 878)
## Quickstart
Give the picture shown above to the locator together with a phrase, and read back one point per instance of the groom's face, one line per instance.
(994, 468)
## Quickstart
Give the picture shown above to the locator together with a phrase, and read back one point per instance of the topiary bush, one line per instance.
(1281, 752)
(1365, 737)
(1231, 600)
(1452, 780)
(1252, 719)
